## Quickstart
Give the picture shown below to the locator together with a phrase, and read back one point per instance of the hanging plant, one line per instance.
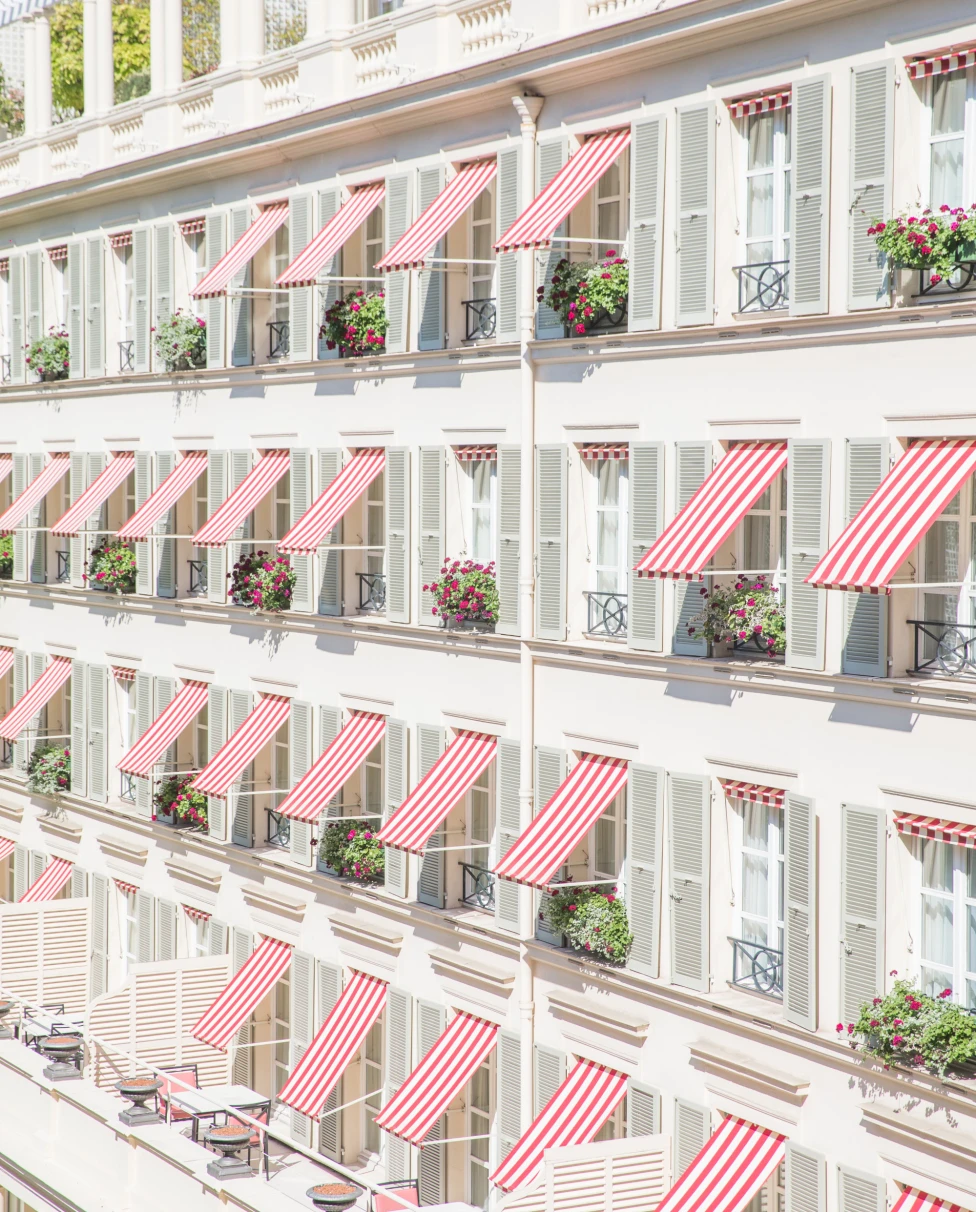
(6, 557)
(112, 567)
(594, 920)
(50, 356)
(465, 593)
(584, 292)
(180, 342)
(175, 798)
(745, 610)
(356, 325)
(263, 581)
(349, 847)
(930, 240)
(49, 770)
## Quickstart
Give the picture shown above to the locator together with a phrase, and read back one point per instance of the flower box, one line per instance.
(49, 771)
(593, 921)
(913, 1030)
(465, 596)
(356, 325)
(180, 342)
(263, 582)
(588, 295)
(49, 357)
(176, 804)
(348, 848)
(112, 568)
(745, 612)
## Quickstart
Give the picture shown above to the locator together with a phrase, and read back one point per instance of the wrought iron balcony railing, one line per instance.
(278, 342)
(279, 829)
(63, 573)
(477, 886)
(372, 591)
(127, 787)
(127, 356)
(964, 279)
(198, 576)
(946, 648)
(606, 614)
(764, 287)
(757, 968)
(5, 368)
(480, 319)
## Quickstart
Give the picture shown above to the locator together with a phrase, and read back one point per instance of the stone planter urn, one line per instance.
(65, 1053)
(336, 1196)
(138, 1090)
(230, 1140)
(5, 1007)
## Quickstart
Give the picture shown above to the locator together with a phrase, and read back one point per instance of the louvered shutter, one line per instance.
(215, 245)
(330, 561)
(862, 908)
(328, 292)
(694, 462)
(99, 911)
(646, 206)
(550, 594)
(692, 1128)
(689, 833)
(141, 320)
(646, 488)
(240, 467)
(810, 209)
(431, 1022)
(97, 522)
(165, 463)
(509, 480)
(98, 733)
(35, 298)
(549, 770)
(95, 307)
(643, 1110)
(38, 862)
(18, 482)
(432, 550)
(21, 686)
(806, 1181)
(397, 218)
(865, 614)
(77, 544)
(38, 663)
(144, 718)
(397, 489)
(143, 473)
(240, 803)
(241, 946)
(432, 1169)
(549, 1071)
(508, 818)
(299, 761)
(217, 472)
(166, 918)
(299, 297)
(78, 884)
(145, 920)
(859, 1192)
(164, 691)
(37, 519)
(328, 986)
(872, 144)
(300, 489)
(808, 485)
(302, 988)
(240, 305)
(507, 188)
(800, 957)
(21, 871)
(216, 737)
(75, 269)
(432, 283)
(18, 325)
(398, 1030)
(395, 778)
(550, 158)
(330, 722)
(645, 818)
(696, 215)
(508, 1091)
(163, 285)
(217, 937)
(79, 728)
(431, 881)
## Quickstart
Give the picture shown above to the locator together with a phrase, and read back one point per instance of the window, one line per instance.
(373, 246)
(479, 1125)
(762, 874)
(481, 819)
(771, 1196)
(62, 298)
(612, 562)
(948, 952)
(616, 1126)
(372, 776)
(130, 932)
(952, 99)
(282, 506)
(125, 277)
(197, 247)
(376, 526)
(198, 935)
(201, 739)
(280, 307)
(130, 732)
(609, 835)
(482, 235)
(949, 571)
(768, 151)
(763, 535)
(200, 506)
(280, 783)
(483, 474)
(372, 1086)
(281, 1024)
(611, 206)
(285, 24)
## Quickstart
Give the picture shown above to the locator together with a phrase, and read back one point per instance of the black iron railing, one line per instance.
(948, 648)
(480, 318)
(964, 278)
(5, 368)
(63, 573)
(764, 287)
(477, 886)
(757, 968)
(606, 613)
(278, 344)
(279, 829)
(127, 787)
(603, 321)
(127, 356)
(198, 576)
(372, 591)
(6, 752)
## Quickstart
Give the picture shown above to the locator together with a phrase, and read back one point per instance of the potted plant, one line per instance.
(49, 771)
(465, 596)
(6, 557)
(746, 611)
(50, 356)
(349, 848)
(336, 1195)
(593, 920)
(585, 294)
(180, 342)
(356, 324)
(933, 240)
(262, 581)
(177, 802)
(112, 568)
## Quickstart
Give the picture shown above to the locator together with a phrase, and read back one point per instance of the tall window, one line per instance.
(372, 1086)
(612, 561)
(130, 931)
(61, 290)
(768, 161)
(771, 1196)
(479, 1125)
(764, 533)
(280, 307)
(611, 206)
(952, 101)
(762, 874)
(280, 765)
(481, 819)
(198, 935)
(949, 569)
(948, 920)
(196, 244)
(130, 731)
(372, 792)
(282, 506)
(376, 525)
(281, 1015)
(201, 510)
(609, 833)
(201, 739)
(373, 246)
(484, 480)
(482, 235)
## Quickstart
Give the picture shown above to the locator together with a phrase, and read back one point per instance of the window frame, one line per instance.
(479, 274)
(622, 510)
(964, 588)
(475, 1129)
(487, 848)
(961, 980)
(473, 507)
(130, 929)
(776, 511)
(775, 920)
(781, 171)
(377, 1035)
(929, 138)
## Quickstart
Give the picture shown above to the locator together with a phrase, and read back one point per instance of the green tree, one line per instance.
(11, 113)
(130, 28)
(201, 37)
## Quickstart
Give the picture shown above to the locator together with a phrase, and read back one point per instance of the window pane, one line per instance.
(942, 552)
(481, 246)
(937, 930)
(606, 851)
(971, 939)
(755, 826)
(759, 206)
(755, 886)
(948, 103)
(481, 207)
(936, 866)
(760, 134)
(609, 184)
(607, 543)
(375, 490)
(947, 156)
(756, 543)
(481, 480)
(608, 223)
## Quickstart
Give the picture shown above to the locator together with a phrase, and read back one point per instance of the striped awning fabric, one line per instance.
(309, 263)
(119, 468)
(554, 833)
(605, 450)
(215, 283)
(755, 792)
(120, 239)
(38, 696)
(326, 511)
(190, 227)
(535, 225)
(441, 1075)
(58, 253)
(163, 731)
(451, 776)
(729, 1169)
(945, 61)
(186, 472)
(6, 466)
(268, 963)
(35, 492)
(476, 454)
(335, 1044)
(308, 799)
(6, 660)
(49, 883)
(4, 265)
(197, 915)
(123, 673)
(723, 500)
(7, 847)
(255, 486)
(763, 104)
(936, 829)
(911, 1200)
(231, 758)
(439, 217)
(903, 507)
(573, 1116)
(125, 886)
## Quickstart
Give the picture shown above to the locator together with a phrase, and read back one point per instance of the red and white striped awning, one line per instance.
(554, 832)
(120, 239)
(163, 731)
(231, 758)
(535, 225)
(6, 466)
(573, 1116)
(126, 887)
(730, 1168)
(911, 1200)
(35, 492)
(945, 61)
(216, 281)
(335, 1044)
(267, 964)
(903, 507)
(7, 847)
(308, 799)
(190, 227)
(723, 500)
(476, 454)
(196, 915)
(307, 266)
(936, 829)
(605, 450)
(58, 253)
(441, 1075)
(255, 486)
(49, 883)
(327, 510)
(451, 776)
(6, 660)
(4, 265)
(123, 673)
(439, 217)
(757, 793)
(119, 468)
(763, 104)
(37, 697)
(186, 473)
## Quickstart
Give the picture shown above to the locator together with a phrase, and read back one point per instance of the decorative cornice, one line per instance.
(742, 1071)
(117, 847)
(63, 832)
(13, 812)
(281, 907)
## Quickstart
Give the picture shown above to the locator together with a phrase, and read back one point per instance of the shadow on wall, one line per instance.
(567, 372)
(702, 692)
(445, 378)
(865, 715)
(249, 391)
(335, 387)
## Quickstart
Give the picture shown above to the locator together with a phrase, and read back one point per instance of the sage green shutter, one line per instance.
(299, 761)
(810, 209)
(431, 1168)
(99, 967)
(508, 820)
(240, 468)
(330, 561)
(215, 245)
(240, 305)
(872, 147)
(508, 1091)
(645, 821)
(859, 1192)
(398, 1018)
(549, 1072)
(163, 284)
(241, 946)
(95, 306)
(862, 898)
(216, 738)
(35, 298)
(78, 543)
(689, 834)
(78, 885)
(397, 219)
(328, 987)
(21, 686)
(21, 871)
(692, 1128)
(98, 774)
(397, 490)
(97, 522)
(800, 951)
(143, 474)
(217, 471)
(643, 1109)
(432, 549)
(165, 547)
(646, 488)
(808, 483)
(865, 614)
(330, 724)
(432, 283)
(806, 1181)
(550, 593)
(37, 519)
(145, 922)
(217, 938)
(19, 479)
(694, 463)
(550, 158)
(79, 728)
(696, 215)
(140, 280)
(240, 803)
(328, 292)
(38, 663)
(431, 1021)
(75, 270)
(18, 324)
(506, 212)
(509, 480)
(646, 213)
(301, 991)
(299, 297)
(395, 777)
(300, 488)
(549, 770)
(166, 918)
(144, 719)
(164, 691)
(431, 882)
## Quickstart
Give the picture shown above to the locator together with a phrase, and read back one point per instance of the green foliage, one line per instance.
(263, 581)
(350, 848)
(743, 611)
(130, 29)
(175, 798)
(49, 356)
(356, 324)
(284, 24)
(593, 920)
(11, 107)
(201, 37)
(907, 1027)
(180, 342)
(581, 292)
(465, 591)
(112, 567)
(6, 557)
(49, 770)
(926, 240)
